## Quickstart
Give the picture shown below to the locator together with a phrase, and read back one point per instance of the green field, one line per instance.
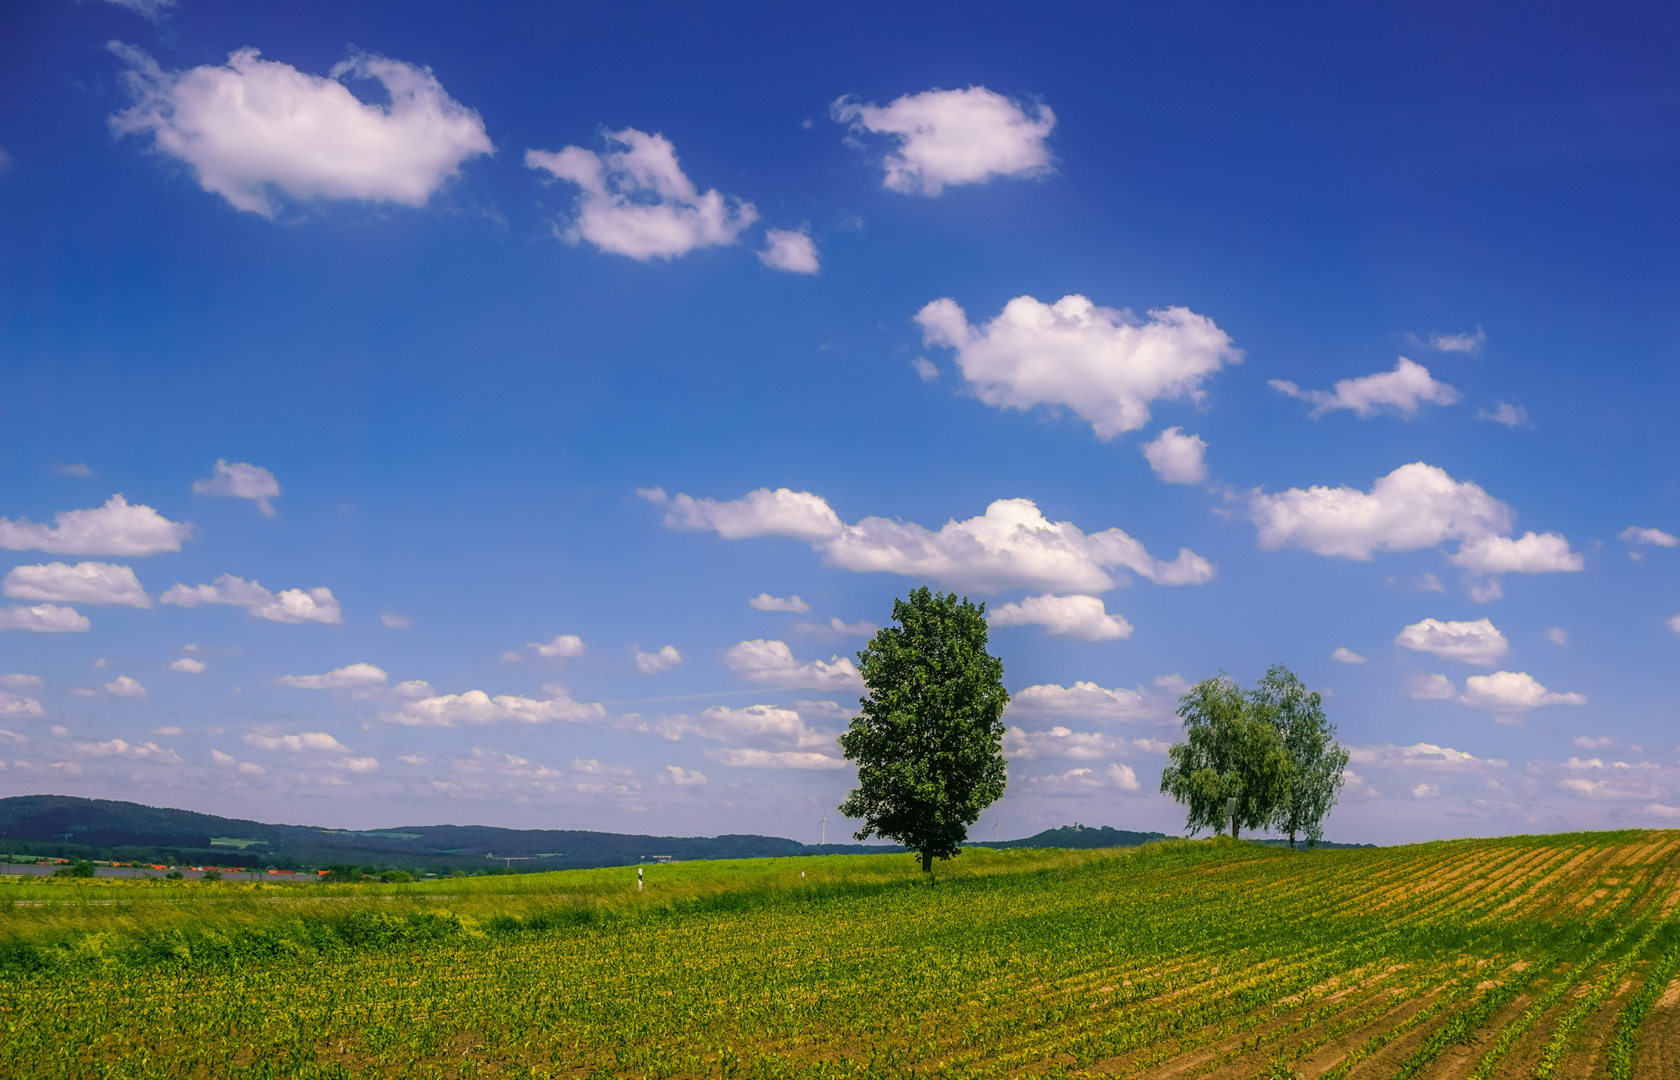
(1520, 957)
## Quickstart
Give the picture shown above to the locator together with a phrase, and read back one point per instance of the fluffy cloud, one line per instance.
(1085, 780)
(1415, 506)
(1674, 624)
(563, 647)
(396, 622)
(22, 682)
(1345, 655)
(242, 481)
(783, 512)
(189, 665)
(1011, 546)
(252, 124)
(1508, 413)
(1085, 700)
(1512, 691)
(1420, 756)
(682, 777)
(123, 686)
(289, 606)
(1402, 390)
(1633, 534)
(1058, 742)
(1433, 688)
(655, 662)
(1102, 364)
(861, 628)
(637, 201)
(113, 529)
(766, 602)
(84, 583)
(926, 370)
(350, 677)
(14, 706)
(790, 250)
(476, 708)
(1176, 457)
(950, 137)
(43, 619)
(312, 743)
(1478, 642)
(1546, 553)
(1080, 617)
(119, 748)
(772, 663)
(1557, 635)
(747, 757)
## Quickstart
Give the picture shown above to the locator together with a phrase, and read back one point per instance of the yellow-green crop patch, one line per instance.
(1515, 957)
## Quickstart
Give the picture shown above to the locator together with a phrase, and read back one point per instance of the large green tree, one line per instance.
(929, 741)
(1227, 753)
(1309, 742)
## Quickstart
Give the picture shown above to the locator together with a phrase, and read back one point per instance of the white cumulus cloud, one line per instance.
(637, 201)
(16, 705)
(22, 682)
(1420, 756)
(1345, 655)
(113, 529)
(1086, 701)
(120, 748)
(476, 708)
(748, 757)
(563, 647)
(1058, 742)
(1177, 458)
(766, 602)
(1415, 506)
(1079, 617)
(1508, 413)
(189, 665)
(242, 481)
(288, 606)
(43, 619)
(1402, 390)
(1433, 688)
(772, 663)
(1101, 363)
(1478, 642)
(654, 662)
(1512, 691)
(1531, 553)
(84, 583)
(253, 125)
(123, 686)
(950, 137)
(783, 512)
(1012, 545)
(791, 250)
(1633, 534)
(154, 10)
(350, 677)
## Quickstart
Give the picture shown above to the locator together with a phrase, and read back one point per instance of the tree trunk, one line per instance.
(1291, 841)
(1233, 827)
(927, 862)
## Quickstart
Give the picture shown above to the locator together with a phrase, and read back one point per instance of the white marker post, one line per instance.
(638, 879)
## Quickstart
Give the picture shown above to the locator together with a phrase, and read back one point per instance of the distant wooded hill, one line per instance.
(64, 826)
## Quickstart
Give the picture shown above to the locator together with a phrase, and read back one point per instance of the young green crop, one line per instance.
(1184, 957)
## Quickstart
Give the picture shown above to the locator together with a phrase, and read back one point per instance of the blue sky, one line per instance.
(465, 378)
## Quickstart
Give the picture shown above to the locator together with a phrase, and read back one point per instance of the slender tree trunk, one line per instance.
(1233, 826)
(1291, 841)
(927, 862)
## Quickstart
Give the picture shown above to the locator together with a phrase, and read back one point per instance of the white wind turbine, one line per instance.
(825, 829)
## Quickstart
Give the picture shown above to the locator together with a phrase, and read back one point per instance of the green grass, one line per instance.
(1204, 954)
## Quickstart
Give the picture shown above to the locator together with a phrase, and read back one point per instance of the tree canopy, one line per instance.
(1272, 750)
(928, 742)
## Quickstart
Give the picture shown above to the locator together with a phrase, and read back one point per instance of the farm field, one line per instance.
(1517, 957)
